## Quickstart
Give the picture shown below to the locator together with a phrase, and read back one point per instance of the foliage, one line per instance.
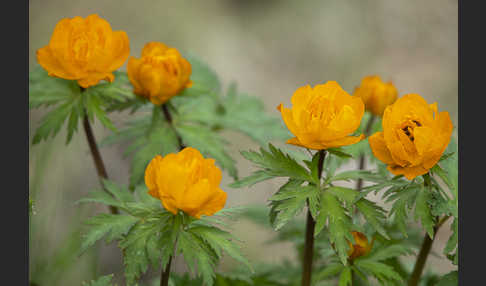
(148, 234)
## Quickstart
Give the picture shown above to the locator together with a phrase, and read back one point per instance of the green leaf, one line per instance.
(288, 202)
(422, 211)
(328, 271)
(113, 226)
(254, 178)
(450, 279)
(101, 281)
(278, 164)
(356, 175)
(339, 224)
(204, 79)
(451, 244)
(45, 90)
(208, 143)
(390, 251)
(346, 195)
(338, 152)
(246, 114)
(345, 278)
(119, 192)
(52, 122)
(196, 252)
(102, 197)
(374, 215)
(381, 271)
(220, 241)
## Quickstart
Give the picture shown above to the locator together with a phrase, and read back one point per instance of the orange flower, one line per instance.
(186, 181)
(376, 94)
(361, 248)
(414, 136)
(323, 117)
(160, 73)
(84, 49)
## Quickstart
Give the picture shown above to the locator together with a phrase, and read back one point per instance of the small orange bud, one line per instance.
(361, 248)
(376, 94)
(160, 73)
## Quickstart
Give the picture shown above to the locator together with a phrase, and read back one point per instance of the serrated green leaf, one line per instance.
(220, 241)
(356, 175)
(381, 271)
(208, 143)
(390, 251)
(338, 152)
(328, 271)
(339, 224)
(374, 215)
(451, 244)
(102, 197)
(119, 192)
(256, 177)
(346, 195)
(101, 281)
(113, 226)
(345, 278)
(276, 163)
(450, 279)
(422, 211)
(45, 90)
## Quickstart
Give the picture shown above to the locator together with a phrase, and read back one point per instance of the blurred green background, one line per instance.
(270, 48)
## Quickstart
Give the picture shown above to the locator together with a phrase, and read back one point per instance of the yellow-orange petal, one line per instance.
(120, 50)
(345, 141)
(379, 149)
(151, 173)
(94, 78)
(310, 145)
(409, 172)
(53, 67)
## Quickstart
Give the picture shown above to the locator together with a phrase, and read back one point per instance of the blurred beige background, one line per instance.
(269, 48)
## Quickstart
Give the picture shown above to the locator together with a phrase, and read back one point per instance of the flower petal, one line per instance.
(409, 172)
(379, 149)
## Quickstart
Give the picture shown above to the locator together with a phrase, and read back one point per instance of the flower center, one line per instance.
(409, 127)
(81, 47)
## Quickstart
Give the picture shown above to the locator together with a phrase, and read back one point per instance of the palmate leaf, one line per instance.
(345, 278)
(71, 104)
(374, 215)
(246, 114)
(338, 221)
(450, 279)
(208, 143)
(290, 200)
(274, 163)
(101, 281)
(383, 272)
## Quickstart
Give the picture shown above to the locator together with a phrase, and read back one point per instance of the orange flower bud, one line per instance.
(84, 49)
(160, 73)
(414, 136)
(323, 117)
(376, 94)
(186, 181)
(361, 248)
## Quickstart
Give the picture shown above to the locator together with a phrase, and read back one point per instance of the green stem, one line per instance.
(309, 233)
(362, 161)
(168, 117)
(426, 246)
(98, 161)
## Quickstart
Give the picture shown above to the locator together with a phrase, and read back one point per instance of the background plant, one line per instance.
(384, 29)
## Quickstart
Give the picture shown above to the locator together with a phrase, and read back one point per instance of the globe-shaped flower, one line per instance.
(84, 49)
(323, 117)
(414, 136)
(376, 95)
(160, 73)
(186, 181)
(361, 247)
